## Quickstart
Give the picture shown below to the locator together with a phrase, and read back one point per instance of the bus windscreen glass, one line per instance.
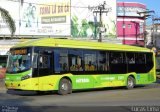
(19, 60)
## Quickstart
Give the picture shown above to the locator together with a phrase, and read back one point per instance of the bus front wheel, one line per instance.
(65, 87)
(130, 82)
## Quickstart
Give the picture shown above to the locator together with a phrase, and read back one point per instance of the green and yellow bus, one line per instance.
(65, 65)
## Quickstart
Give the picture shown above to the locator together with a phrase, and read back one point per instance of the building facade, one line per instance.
(130, 24)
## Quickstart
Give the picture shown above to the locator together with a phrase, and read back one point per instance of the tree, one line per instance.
(8, 19)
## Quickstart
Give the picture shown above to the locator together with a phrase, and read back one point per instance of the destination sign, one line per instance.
(19, 51)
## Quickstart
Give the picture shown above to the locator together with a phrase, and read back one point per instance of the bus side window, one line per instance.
(102, 61)
(75, 60)
(140, 58)
(64, 67)
(35, 58)
(44, 61)
(116, 58)
(130, 58)
(63, 60)
(41, 62)
(90, 67)
(90, 61)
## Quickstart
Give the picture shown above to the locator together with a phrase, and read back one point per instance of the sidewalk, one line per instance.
(2, 85)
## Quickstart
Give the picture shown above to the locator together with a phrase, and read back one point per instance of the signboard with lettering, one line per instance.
(38, 17)
(129, 11)
(45, 17)
(73, 18)
(19, 51)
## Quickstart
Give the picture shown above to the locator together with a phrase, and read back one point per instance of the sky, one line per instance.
(150, 4)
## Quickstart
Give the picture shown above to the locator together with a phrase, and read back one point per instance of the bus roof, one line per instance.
(67, 43)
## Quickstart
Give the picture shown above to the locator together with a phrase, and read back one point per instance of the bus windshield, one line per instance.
(19, 60)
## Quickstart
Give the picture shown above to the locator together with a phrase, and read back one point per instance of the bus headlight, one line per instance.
(26, 77)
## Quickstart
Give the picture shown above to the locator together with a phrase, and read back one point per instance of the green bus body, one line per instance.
(63, 65)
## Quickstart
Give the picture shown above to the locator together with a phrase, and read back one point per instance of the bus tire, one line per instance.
(130, 82)
(65, 87)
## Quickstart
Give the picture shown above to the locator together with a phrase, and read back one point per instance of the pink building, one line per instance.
(130, 25)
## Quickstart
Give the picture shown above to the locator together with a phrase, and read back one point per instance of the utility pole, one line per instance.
(100, 22)
(101, 9)
(155, 27)
(145, 16)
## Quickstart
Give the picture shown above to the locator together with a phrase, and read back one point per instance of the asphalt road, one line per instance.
(142, 98)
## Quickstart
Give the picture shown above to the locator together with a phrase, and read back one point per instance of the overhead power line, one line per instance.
(48, 4)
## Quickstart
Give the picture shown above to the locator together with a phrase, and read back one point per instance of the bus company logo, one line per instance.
(120, 77)
(108, 78)
(82, 80)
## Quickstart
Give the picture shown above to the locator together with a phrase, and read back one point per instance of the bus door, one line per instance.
(43, 61)
(117, 63)
(131, 62)
(118, 68)
(44, 65)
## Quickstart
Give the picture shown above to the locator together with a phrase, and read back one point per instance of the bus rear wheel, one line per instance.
(130, 82)
(65, 87)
